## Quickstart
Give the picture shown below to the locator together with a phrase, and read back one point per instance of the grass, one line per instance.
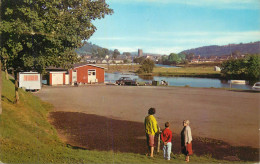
(191, 71)
(26, 136)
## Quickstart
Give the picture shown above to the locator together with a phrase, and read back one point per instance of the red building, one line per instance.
(86, 74)
(81, 73)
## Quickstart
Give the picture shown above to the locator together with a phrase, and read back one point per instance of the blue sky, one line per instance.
(166, 26)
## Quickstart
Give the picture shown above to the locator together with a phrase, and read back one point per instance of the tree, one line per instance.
(174, 58)
(0, 68)
(128, 54)
(247, 69)
(36, 34)
(116, 53)
(139, 60)
(253, 67)
(146, 66)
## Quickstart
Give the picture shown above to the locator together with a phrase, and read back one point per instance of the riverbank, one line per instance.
(191, 70)
(202, 71)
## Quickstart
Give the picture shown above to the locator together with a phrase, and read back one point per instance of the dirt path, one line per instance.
(231, 116)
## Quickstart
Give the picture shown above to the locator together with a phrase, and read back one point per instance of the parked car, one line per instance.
(256, 86)
(126, 81)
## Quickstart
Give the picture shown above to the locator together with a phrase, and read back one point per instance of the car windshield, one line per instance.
(127, 78)
(257, 84)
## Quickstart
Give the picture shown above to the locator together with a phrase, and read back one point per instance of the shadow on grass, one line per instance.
(92, 132)
(75, 147)
(5, 98)
(12, 80)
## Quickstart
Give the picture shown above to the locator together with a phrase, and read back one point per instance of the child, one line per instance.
(166, 136)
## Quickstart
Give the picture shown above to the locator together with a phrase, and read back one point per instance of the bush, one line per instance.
(247, 69)
(146, 66)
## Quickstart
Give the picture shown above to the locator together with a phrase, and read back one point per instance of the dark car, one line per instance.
(125, 81)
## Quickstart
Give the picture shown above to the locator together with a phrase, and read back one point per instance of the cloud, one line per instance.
(221, 4)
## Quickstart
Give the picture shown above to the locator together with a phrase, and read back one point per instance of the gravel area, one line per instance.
(230, 116)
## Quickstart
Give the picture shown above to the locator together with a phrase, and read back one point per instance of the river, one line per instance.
(178, 81)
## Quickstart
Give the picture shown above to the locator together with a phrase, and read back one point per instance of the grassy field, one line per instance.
(26, 136)
(191, 70)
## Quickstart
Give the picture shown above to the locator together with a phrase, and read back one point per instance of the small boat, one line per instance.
(238, 82)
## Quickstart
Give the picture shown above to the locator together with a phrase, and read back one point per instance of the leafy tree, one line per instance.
(127, 54)
(247, 69)
(253, 67)
(116, 53)
(182, 57)
(146, 66)
(174, 58)
(106, 51)
(190, 56)
(38, 33)
(139, 60)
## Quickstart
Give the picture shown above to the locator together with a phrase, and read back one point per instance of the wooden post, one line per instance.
(158, 146)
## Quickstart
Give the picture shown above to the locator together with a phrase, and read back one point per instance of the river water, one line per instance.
(178, 81)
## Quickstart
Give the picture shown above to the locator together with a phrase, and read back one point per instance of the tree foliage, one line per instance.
(116, 53)
(139, 60)
(173, 59)
(38, 33)
(128, 54)
(100, 52)
(146, 66)
(247, 68)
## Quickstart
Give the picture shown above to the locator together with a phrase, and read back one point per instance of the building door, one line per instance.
(67, 79)
(57, 79)
(74, 76)
(91, 75)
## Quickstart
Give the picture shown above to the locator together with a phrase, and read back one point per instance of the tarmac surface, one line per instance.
(223, 120)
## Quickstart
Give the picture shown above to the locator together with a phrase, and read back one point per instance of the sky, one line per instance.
(171, 26)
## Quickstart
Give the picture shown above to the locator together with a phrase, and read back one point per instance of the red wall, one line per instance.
(82, 74)
(50, 82)
(63, 78)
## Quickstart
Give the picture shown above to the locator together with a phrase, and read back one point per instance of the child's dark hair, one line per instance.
(167, 124)
(151, 111)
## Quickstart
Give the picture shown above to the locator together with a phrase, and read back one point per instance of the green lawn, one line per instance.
(27, 137)
(201, 71)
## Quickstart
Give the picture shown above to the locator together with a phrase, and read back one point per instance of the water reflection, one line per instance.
(146, 77)
(178, 81)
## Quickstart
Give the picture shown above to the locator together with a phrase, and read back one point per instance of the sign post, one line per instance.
(159, 135)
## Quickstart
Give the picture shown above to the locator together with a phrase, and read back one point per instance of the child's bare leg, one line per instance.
(152, 148)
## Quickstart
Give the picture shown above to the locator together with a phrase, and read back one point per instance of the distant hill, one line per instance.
(87, 48)
(214, 50)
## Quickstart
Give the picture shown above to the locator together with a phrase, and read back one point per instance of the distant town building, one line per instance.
(140, 52)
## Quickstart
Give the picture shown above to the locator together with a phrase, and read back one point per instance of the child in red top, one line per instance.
(166, 136)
